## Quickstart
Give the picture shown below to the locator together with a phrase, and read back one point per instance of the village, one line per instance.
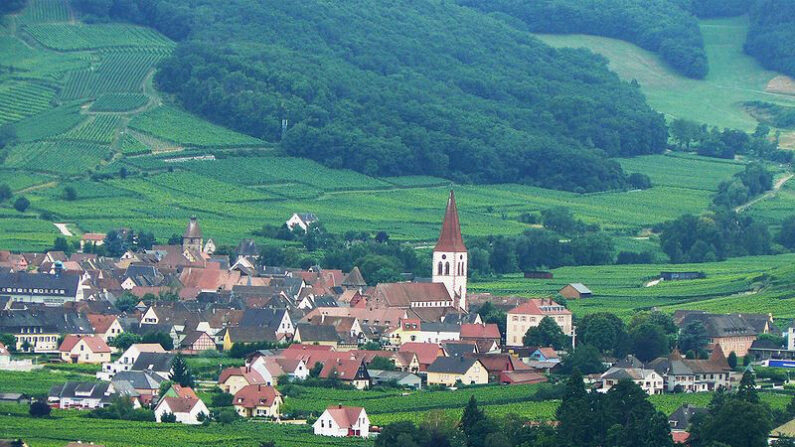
(139, 316)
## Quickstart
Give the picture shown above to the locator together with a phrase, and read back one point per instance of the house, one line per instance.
(400, 378)
(107, 327)
(80, 395)
(575, 291)
(524, 377)
(196, 342)
(320, 335)
(272, 367)
(632, 369)
(44, 288)
(682, 417)
(145, 383)
(411, 295)
(733, 333)
(258, 401)
(354, 279)
(480, 332)
(247, 334)
(784, 431)
(89, 239)
(5, 356)
(449, 371)
(426, 354)
(347, 370)
(791, 337)
(127, 359)
(84, 349)
(301, 220)
(530, 313)
(545, 355)
(694, 375)
(186, 409)
(342, 421)
(234, 379)
(155, 362)
(681, 276)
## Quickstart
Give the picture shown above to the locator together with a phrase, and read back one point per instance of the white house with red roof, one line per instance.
(106, 326)
(530, 313)
(84, 349)
(186, 409)
(342, 421)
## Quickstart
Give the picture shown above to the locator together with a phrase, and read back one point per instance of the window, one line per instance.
(439, 269)
(446, 268)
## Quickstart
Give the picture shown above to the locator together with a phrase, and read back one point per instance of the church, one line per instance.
(447, 291)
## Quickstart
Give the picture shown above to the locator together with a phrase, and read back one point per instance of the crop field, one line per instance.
(99, 129)
(61, 158)
(17, 181)
(50, 123)
(620, 288)
(118, 71)
(68, 37)
(683, 171)
(119, 102)
(733, 79)
(37, 382)
(45, 11)
(183, 128)
(69, 426)
(131, 146)
(36, 63)
(20, 99)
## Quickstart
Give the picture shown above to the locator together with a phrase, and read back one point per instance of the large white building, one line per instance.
(450, 256)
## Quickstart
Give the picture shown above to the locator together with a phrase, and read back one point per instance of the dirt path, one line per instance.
(62, 228)
(770, 194)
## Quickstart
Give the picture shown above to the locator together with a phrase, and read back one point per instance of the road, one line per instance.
(776, 186)
(62, 228)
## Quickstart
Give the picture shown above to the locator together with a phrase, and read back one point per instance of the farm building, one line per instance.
(538, 275)
(681, 276)
(575, 291)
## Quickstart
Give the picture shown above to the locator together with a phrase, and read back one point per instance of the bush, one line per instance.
(21, 204)
(168, 417)
(39, 409)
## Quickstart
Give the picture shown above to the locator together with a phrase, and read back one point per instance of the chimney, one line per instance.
(339, 406)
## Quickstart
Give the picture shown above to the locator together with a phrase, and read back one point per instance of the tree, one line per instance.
(21, 204)
(786, 236)
(648, 342)
(39, 409)
(732, 360)
(162, 338)
(125, 340)
(5, 192)
(547, 333)
(8, 133)
(472, 418)
(69, 193)
(61, 244)
(168, 418)
(584, 358)
(574, 413)
(382, 363)
(9, 341)
(126, 302)
(180, 372)
(747, 389)
(227, 416)
(316, 369)
(605, 332)
(693, 337)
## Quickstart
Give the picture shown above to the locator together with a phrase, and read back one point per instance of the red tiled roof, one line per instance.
(179, 404)
(402, 294)
(426, 352)
(3, 350)
(480, 331)
(184, 392)
(93, 237)
(101, 323)
(94, 343)
(251, 376)
(252, 396)
(521, 377)
(341, 368)
(540, 307)
(680, 437)
(450, 239)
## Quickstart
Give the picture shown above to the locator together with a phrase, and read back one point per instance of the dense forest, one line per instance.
(716, 8)
(662, 26)
(401, 88)
(772, 33)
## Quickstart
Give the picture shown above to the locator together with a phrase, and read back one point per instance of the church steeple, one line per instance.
(450, 237)
(450, 256)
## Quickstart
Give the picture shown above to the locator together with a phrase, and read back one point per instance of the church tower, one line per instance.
(193, 238)
(450, 256)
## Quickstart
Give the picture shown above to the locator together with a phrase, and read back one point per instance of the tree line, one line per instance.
(442, 91)
(661, 26)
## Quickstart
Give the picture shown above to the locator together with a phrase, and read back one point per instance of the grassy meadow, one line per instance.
(734, 77)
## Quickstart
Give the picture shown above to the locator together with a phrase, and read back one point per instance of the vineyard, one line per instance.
(20, 99)
(50, 123)
(61, 158)
(119, 102)
(45, 11)
(180, 127)
(99, 129)
(68, 37)
(118, 71)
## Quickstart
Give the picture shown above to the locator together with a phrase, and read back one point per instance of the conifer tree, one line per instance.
(180, 372)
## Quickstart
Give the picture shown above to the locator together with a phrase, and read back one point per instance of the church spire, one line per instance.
(450, 239)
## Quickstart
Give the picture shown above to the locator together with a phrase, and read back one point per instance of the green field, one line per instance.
(734, 77)
(751, 284)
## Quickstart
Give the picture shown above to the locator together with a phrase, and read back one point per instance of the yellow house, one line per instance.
(316, 335)
(257, 401)
(84, 349)
(452, 371)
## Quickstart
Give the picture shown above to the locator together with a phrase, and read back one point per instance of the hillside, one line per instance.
(391, 89)
(734, 78)
(772, 33)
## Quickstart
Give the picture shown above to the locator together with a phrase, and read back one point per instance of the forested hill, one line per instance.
(406, 87)
(666, 27)
(771, 39)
